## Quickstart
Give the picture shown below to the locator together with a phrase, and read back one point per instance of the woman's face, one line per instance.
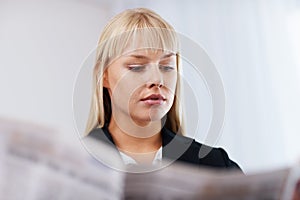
(142, 85)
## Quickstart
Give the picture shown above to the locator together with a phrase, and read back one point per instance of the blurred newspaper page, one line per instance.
(34, 164)
(186, 182)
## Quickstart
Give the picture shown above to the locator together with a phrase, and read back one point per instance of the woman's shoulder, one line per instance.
(198, 153)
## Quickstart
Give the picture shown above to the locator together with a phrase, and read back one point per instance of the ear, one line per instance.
(105, 79)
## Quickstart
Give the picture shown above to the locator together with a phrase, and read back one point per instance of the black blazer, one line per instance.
(180, 149)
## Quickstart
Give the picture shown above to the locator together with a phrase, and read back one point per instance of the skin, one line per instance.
(135, 124)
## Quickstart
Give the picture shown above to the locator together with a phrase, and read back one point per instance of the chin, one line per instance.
(147, 119)
(149, 115)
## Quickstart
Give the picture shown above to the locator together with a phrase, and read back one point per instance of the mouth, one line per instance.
(154, 99)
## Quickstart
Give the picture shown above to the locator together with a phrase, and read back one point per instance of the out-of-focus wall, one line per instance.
(43, 44)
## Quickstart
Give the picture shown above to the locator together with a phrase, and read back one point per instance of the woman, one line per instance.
(135, 105)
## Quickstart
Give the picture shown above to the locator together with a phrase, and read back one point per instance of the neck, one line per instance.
(135, 138)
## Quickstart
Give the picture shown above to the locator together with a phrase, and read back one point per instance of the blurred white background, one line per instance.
(254, 44)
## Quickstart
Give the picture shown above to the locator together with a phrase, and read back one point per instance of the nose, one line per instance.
(156, 77)
(156, 85)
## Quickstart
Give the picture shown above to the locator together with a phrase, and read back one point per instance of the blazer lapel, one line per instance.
(177, 147)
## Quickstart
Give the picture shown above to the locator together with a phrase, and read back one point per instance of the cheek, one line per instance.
(170, 82)
(125, 87)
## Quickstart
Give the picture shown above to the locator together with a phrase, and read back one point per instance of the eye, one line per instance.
(136, 67)
(167, 68)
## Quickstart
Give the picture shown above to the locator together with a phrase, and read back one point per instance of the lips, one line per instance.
(154, 99)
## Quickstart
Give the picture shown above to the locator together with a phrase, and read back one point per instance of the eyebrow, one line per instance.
(168, 55)
(145, 57)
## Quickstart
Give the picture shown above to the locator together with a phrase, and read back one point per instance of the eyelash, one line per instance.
(166, 68)
(139, 68)
(136, 68)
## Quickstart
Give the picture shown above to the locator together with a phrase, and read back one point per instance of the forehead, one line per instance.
(149, 42)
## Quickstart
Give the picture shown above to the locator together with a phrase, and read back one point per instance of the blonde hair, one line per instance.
(122, 31)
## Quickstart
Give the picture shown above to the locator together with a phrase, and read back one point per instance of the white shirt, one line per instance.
(129, 160)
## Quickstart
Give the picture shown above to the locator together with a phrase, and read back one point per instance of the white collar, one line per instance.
(129, 160)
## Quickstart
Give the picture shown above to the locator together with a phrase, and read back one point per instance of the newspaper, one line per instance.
(35, 164)
(186, 182)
